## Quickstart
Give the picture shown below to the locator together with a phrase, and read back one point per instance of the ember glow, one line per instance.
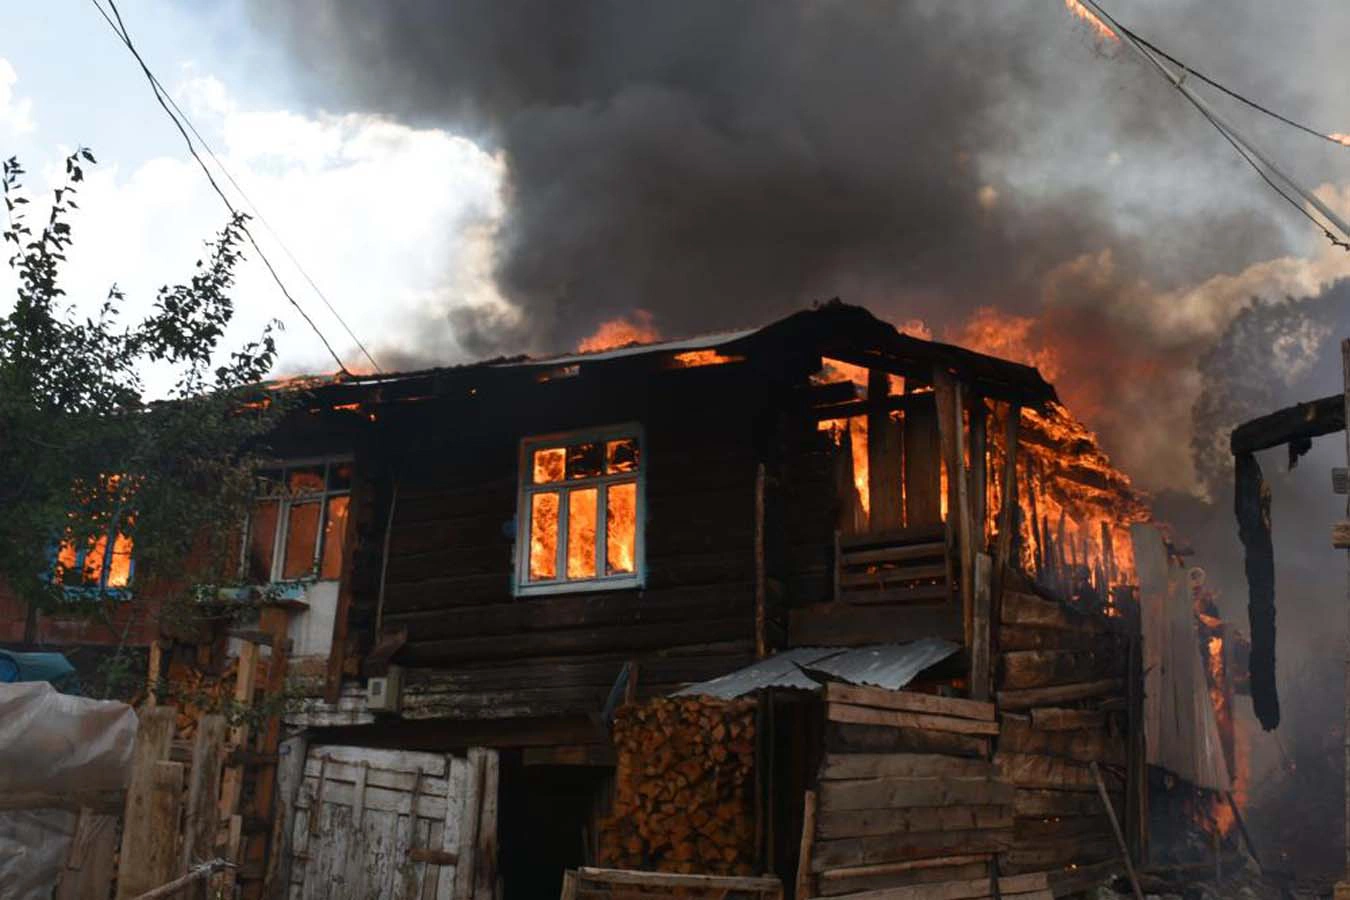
(1098, 26)
(1340, 138)
(621, 332)
(690, 359)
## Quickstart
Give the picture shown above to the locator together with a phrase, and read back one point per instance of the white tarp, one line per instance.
(53, 744)
(1180, 731)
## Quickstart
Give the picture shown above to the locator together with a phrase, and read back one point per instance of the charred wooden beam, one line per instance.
(1302, 421)
(1252, 506)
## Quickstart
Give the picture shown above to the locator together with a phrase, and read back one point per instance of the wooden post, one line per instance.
(153, 739)
(761, 613)
(1345, 883)
(883, 456)
(979, 472)
(1007, 514)
(981, 668)
(802, 890)
(951, 423)
(357, 509)
(200, 822)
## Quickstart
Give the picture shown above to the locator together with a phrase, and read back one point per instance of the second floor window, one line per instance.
(296, 528)
(580, 516)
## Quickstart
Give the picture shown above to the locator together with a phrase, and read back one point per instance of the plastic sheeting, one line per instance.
(51, 743)
(1179, 727)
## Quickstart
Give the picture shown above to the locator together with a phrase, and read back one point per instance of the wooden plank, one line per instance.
(1081, 746)
(200, 820)
(866, 715)
(91, 864)
(373, 799)
(881, 793)
(909, 701)
(405, 761)
(884, 577)
(896, 554)
(847, 766)
(868, 822)
(906, 594)
(1051, 718)
(1015, 887)
(485, 867)
(913, 845)
(100, 802)
(290, 777)
(875, 877)
(597, 755)
(803, 883)
(154, 736)
(1038, 803)
(1021, 669)
(761, 586)
(905, 866)
(981, 647)
(1048, 696)
(466, 878)
(671, 879)
(951, 428)
(849, 738)
(375, 777)
(923, 505)
(159, 860)
(917, 533)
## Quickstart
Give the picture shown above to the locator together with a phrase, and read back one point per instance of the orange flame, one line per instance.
(621, 332)
(1340, 138)
(690, 359)
(1098, 26)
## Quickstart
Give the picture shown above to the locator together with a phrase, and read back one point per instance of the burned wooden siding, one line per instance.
(483, 651)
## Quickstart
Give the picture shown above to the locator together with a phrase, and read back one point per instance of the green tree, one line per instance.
(85, 454)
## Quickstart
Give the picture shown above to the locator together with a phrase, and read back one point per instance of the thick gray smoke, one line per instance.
(718, 163)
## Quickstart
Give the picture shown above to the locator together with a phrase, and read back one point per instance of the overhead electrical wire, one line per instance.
(172, 110)
(1330, 138)
(1249, 153)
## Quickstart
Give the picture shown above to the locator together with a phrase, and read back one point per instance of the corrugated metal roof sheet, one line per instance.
(889, 666)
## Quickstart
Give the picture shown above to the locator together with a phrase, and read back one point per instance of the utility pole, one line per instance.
(1339, 480)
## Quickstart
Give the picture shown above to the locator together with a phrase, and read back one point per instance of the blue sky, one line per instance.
(388, 220)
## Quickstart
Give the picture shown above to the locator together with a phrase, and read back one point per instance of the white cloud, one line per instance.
(16, 113)
(397, 225)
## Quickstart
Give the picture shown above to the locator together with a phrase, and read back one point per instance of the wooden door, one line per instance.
(395, 825)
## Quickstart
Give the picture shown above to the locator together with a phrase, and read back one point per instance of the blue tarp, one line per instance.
(50, 667)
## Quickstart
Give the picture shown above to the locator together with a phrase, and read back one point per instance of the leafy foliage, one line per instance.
(84, 452)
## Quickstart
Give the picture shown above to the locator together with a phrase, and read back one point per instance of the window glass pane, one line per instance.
(119, 567)
(621, 528)
(301, 531)
(581, 509)
(621, 456)
(305, 480)
(544, 536)
(334, 527)
(262, 532)
(585, 460)
(340, 476)
(548, 465)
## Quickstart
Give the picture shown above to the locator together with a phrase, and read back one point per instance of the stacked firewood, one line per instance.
(683, 787)
(1062, 697)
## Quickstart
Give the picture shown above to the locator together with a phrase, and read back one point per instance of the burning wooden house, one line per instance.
(818, 602)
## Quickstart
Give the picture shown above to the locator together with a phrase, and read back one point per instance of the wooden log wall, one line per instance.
(684, 788)
(485, 652)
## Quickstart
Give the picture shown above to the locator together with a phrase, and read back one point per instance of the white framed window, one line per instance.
(298, 520)
(581, 511)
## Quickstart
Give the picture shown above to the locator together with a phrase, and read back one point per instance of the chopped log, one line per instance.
(1020, 736)
(866, 715)
(1043, 668)
(1027, 609)
(1049, 696)
(909, 701)
(842, 766)
(862, 823)
(1042, 803)
(1027, 770)
(1050, 718)
(913, 845)
(883, 793)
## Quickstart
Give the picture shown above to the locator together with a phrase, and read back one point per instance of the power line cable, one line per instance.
(1253, 156)
(1338, 141)
(120, 30)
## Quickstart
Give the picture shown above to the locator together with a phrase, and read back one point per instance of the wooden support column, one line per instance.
(960, 525)
(357, 511)
(883, 456)
(979, 472)
(1007, 514)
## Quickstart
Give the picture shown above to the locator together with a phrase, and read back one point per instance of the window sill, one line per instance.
(579, 587)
